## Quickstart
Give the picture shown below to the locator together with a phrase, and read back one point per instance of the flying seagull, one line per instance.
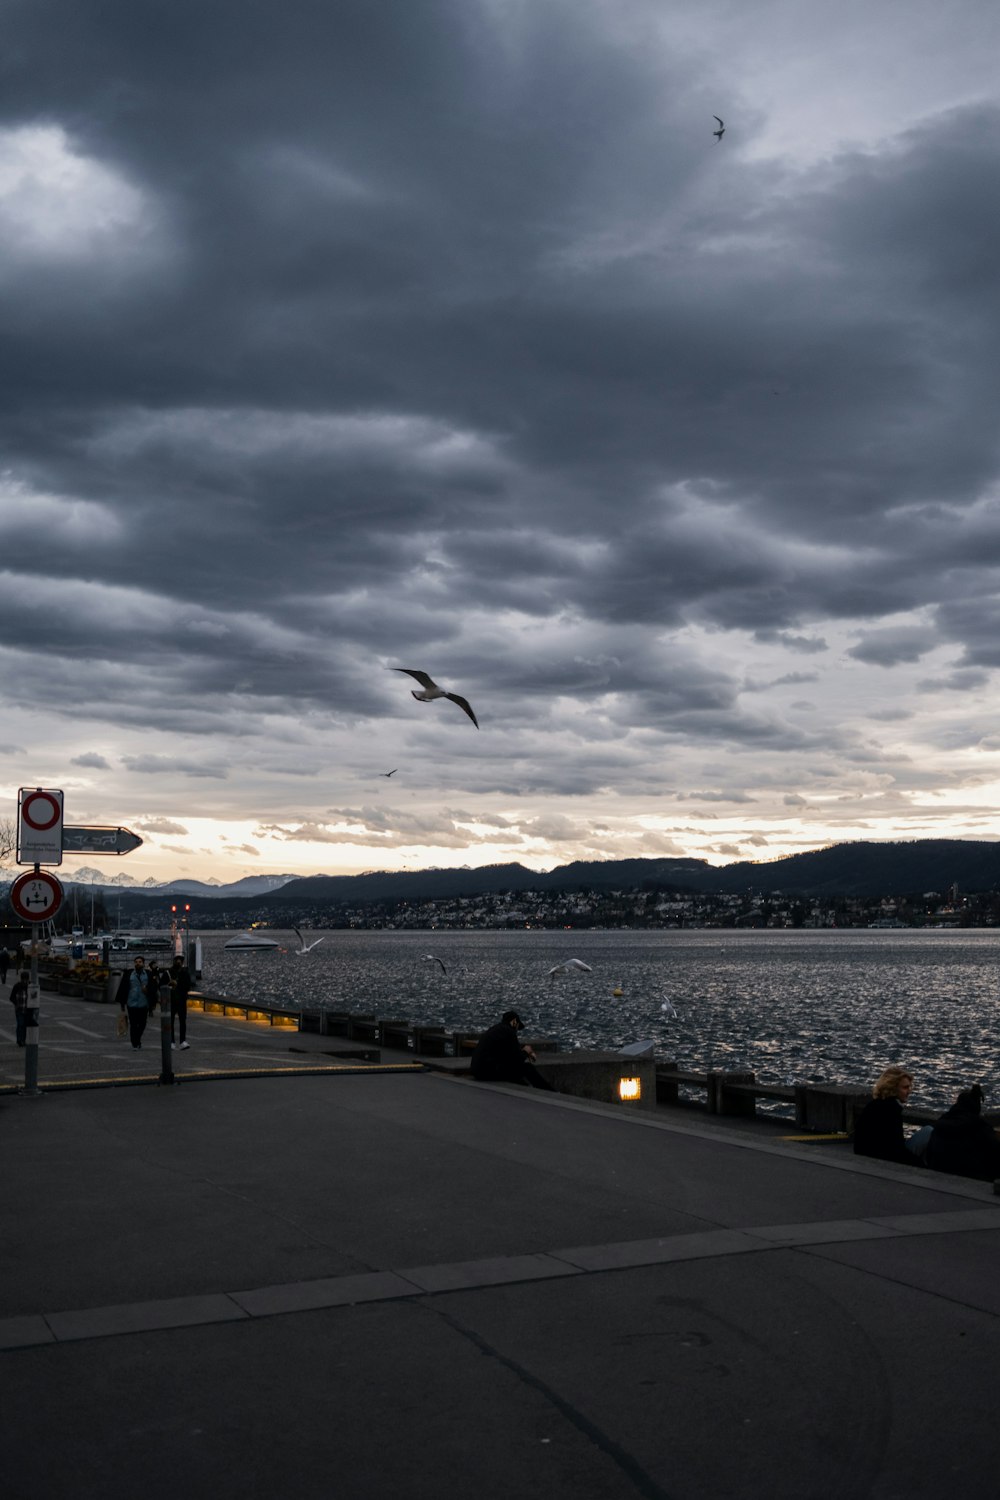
(669, 1010)
(432, 691)
(388, 773)
(721, 130)
(570, 963)
(306, 947)
(432, 958)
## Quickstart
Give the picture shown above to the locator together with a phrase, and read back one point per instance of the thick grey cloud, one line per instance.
(444, 335)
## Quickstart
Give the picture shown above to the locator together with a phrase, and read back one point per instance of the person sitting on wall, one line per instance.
(962, 1142)
(878, 1130)
(500, 1058)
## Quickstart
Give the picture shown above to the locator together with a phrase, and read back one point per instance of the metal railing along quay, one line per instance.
(816, 1106)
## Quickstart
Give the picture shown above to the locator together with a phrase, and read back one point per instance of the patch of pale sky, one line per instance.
(58, 204)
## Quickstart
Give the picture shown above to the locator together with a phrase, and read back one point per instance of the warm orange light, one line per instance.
(629, 1088)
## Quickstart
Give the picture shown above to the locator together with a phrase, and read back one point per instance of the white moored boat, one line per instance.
(252, 940)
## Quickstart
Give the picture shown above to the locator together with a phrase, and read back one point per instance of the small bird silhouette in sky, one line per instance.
(430, 691)
(721, 130)
(388, 773)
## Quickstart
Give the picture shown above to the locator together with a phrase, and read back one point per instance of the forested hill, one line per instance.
(857, 869)
(870, 869)
(427, 885)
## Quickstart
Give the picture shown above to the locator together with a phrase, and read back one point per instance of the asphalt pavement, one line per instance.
(276, 1281)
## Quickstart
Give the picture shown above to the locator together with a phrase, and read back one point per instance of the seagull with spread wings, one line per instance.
(430, 691)
(721, 130)
(569, 965)
(432, 958)
(306, 947)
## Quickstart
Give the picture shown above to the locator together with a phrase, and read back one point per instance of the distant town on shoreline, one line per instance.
(922, 883)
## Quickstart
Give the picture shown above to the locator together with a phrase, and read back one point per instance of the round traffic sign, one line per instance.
(40, 810)
(36, 896)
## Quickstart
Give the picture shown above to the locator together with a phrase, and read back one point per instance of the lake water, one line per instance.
(792, 1006)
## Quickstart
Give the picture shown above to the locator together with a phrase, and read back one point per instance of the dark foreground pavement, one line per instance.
(402, 1284)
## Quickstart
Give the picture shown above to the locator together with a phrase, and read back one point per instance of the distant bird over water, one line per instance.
(669, 1010)
(432, 958)
(569, 964)
(432, 691)
(721, 130)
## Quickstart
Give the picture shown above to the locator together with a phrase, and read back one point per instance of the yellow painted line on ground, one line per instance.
(51, 1086)
(837, 1135)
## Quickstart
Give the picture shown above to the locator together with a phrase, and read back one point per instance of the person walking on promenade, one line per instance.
(133, 998)
(4, 964)
(499, 1057)
(878, 1130)
(18, 997)
(180, 988)
(154, 985)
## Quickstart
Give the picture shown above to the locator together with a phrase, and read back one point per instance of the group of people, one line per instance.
(140, 991)
(960, 1141)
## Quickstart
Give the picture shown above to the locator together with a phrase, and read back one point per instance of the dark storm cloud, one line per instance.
(432, 341)
(889, 647)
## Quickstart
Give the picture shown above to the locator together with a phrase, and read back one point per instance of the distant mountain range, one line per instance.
(856, 869)
(250, 885)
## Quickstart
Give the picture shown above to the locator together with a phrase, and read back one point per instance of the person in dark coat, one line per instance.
(4, 964)
(962, 1142)
(180, 988)
(499, 1057)
(18, 997)
(878, 1130)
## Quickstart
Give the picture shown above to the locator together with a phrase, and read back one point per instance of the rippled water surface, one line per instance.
(789, 1005)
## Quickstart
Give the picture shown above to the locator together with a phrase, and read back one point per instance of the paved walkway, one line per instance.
(395, 1283)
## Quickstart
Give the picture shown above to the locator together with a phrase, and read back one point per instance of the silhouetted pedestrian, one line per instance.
(500, 1058)
(180, 982)
(4, 965)
(18, 997)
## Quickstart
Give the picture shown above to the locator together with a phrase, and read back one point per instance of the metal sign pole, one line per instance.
(31, 1089)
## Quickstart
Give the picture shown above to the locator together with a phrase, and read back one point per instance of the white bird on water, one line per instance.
(430, 691)
(432, 958)
(669, 1010)
(568, 964)
(306, 947)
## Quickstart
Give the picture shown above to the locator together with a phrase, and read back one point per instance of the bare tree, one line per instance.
(8, 840)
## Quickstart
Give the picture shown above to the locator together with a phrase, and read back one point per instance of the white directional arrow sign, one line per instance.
(99, 840)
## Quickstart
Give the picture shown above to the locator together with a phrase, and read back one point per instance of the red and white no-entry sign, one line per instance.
(36, 896)
(39, 826)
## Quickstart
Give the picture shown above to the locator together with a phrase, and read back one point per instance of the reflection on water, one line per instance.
(789, 1005)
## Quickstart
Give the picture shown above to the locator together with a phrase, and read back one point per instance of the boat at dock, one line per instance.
(252, 941)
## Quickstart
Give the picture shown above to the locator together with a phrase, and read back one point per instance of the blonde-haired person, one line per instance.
(878, 1130)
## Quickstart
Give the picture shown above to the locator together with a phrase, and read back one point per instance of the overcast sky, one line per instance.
(445, 334)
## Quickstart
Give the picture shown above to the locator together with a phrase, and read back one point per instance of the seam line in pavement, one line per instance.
(33, 1329)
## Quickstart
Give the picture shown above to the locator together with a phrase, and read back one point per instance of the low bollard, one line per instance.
(31, 1089)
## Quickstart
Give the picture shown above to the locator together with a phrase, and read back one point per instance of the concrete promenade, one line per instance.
(399, 1283)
